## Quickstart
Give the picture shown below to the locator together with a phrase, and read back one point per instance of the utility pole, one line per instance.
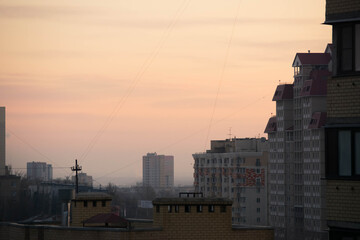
(75, 169)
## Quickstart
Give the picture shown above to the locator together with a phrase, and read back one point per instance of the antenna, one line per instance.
(75, 169)
(229, 133)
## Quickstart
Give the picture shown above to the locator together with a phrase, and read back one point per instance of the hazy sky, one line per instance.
(145, 76)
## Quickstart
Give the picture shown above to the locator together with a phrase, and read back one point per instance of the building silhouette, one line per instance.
(296, 159)
(158, 171)
(2, 141)
(39, 171)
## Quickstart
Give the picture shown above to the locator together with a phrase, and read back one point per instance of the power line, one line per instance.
(189, 136)
(31, 147)
(147, 63)
(222, 74)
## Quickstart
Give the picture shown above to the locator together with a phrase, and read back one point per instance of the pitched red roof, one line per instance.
(271, 126)
(284, 91)
(313, 58)
(105, 218)
(318, 119)
(316, 85)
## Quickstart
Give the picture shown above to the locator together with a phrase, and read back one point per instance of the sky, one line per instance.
(106, 82)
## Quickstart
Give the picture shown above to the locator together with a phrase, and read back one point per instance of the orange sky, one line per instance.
(67, 65)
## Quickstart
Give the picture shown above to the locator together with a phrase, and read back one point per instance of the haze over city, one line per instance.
(107, 82)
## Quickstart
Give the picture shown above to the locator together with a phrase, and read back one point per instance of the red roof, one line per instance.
(313, 58)
(318, 119)
(284, 91)
(271, 126)
(316, 85)
(106, 218)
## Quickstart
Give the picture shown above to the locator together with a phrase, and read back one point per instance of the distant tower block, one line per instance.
(2, 141)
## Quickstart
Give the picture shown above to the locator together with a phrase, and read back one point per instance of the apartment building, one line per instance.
(158, 171)
(39, 171)
(342, 131)
(296, 158)
(236, 168)
(83, 179)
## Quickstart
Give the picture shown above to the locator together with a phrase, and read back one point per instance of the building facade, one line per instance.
(296, 159)
(2, 141)
(158, 171)
(39, 171)
(83, 179)
(236, 169)
(342, 132)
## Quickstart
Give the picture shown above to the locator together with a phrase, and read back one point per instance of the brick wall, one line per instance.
(341, 6)
(9, 231)
(342, 199)
(81, 213)
(343, 97)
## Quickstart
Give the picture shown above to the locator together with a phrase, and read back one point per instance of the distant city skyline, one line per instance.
(145, 76)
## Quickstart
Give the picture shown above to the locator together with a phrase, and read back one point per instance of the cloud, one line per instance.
(40, 12)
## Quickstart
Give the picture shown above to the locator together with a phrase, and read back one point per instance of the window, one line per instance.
(257, 200)
(211, 208)
(157, 208)
(199, 208)
(94, 203)
(348, 46)
(176, 208)
(344, 140)
(342, 149)
(103, 203)
(258, 220)
(85, 204)
(169, 208)
(258, 210)
(187, 208)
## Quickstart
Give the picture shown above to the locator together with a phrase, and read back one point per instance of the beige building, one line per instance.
(87, 205)
(158, 171)
(236, 169)
(342, 132)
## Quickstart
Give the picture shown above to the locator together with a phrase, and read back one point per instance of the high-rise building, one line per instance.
(2, 141)
(236, 169)
(342, 131)
(39, 171)
(296, 159)
(158, 171)
(83, 179)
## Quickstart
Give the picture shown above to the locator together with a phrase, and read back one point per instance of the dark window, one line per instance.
(157, 208)
(85, 203)
(187, 208)
(169, 208)
(94, 203)
(211, 208)
(342, 153)
(348, 48)
(257, 200)
(176, 208)
(103, 203)
(199, 208)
